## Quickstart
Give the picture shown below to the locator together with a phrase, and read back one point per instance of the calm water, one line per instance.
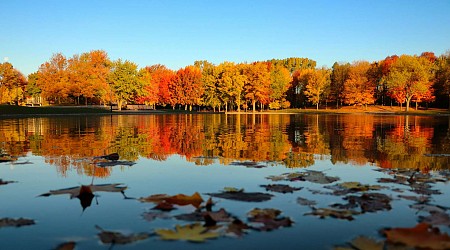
(184, 154)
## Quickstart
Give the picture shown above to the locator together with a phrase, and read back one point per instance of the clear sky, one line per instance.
(176, 33)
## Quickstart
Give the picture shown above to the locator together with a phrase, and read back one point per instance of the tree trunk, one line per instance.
(254, 105)
(119, 105)
(408, 100)
(317, 106)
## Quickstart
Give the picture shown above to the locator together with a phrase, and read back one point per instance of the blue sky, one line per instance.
(176, 33)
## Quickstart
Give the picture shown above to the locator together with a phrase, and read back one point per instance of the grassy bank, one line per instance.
(11, 110)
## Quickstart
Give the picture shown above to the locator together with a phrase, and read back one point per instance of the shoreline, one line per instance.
(11, 111)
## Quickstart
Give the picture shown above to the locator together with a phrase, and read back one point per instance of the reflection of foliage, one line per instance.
(294, 141)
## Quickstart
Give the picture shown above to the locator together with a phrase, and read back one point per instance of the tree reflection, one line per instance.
(204, 139)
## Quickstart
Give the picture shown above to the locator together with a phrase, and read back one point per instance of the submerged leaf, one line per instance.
(420, 236)
(8, 222)
(436, 218)
(110, 237)
(310, 175)
(306, 202)
(192, 232)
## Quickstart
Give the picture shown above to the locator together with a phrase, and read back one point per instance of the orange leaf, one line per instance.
(420, 236)
(182, 200)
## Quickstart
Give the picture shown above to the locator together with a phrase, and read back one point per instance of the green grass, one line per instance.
(49, 110)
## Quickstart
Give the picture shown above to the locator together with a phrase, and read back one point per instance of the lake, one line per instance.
(210, 181)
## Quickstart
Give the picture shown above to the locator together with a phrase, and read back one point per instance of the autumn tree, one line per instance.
(32, 90)
(188, 87)
(410, 76)
(209, 79)
(358, 89)
(317, 80)
(230, 83)
(12, 84)
(162, 77)
(150, 86)
(125, 82)
(280, 80)
(258, 83)
(443, 75)
(293, 64)
(53, 78)
(339, 75)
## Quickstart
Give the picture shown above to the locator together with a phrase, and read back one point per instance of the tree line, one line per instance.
(92, 78)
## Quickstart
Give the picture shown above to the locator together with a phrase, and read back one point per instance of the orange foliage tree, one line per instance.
(358, 89)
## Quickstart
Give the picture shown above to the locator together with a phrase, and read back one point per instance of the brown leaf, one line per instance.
(2, 182)
(420, 236)
(8, 222)
(156, 198)
(436, 218)
(334, 213)
(66, 246)
(237, 228)
(269, 219)
(306, 202)
(164, 206)
(371, 202)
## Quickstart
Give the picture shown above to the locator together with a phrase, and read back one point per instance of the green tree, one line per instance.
(410, 76)
(125, 82)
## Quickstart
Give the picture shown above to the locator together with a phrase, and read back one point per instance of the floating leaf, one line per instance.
(2, 182)
(151, 216)
(66, 246)
(352, 187)
(232, 190)
(363, 243)
(436, 218)
(164, 206)
(334, 213)
(371, 202)
(192, 232)
(8, 222)
(310, 175)
(236, 228)
(269, 219)
(281, 188)
(420, 236)
(242, 196)
(115, 163)
(428, 208)
(220, 216)
(248, 164)
(110, 237)
(306, 202)
(418, 199)
(179, 199)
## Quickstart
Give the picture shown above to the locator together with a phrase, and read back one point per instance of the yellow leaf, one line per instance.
(191, 232)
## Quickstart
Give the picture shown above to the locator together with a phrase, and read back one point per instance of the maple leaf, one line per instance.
(306, 202)
(436, 218)
(66, 246)
(371, 202)
(352, 187)
(421, 236)
(236, 228)
(363, 243)
(110, 237)
(191, 232)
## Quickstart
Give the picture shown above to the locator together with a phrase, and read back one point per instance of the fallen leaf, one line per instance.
(364, 243)
(334, 213)
(151, 216)
(110, 237)
(248, 164)
(306, 202)
(8, 222)
(179, 199)
(191, 232)
(164, 206)
(269, 219)
(182, 200)
(66, 246)
(115, 163)
(281, 188)
(242, 196)
(352, 187)
(420, 236)
(371, 202)
(220, 216)
(436, 218)
(418, 199)
(428, 208)
(319, 177)
(236, 228)
(232, 190)
(2, 182)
